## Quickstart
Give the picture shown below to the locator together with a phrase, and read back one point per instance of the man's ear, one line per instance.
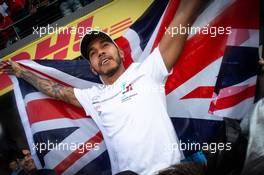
(92, 69)
(122, 54)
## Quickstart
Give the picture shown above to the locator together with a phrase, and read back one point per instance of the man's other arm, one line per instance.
(47, 87)
(171, 45)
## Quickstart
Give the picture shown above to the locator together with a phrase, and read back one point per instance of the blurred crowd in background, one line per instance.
(18, 17)
(22, 163)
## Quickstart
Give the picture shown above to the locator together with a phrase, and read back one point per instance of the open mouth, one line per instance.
(105, 61)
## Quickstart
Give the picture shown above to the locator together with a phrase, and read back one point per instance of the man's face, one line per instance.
(13, 165)
(27, 162)
(105, 57)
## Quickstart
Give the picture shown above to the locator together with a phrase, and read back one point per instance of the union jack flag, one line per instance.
(215, 77)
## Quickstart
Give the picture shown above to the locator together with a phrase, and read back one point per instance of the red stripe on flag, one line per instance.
(200, 92)
(124, 45)
(199, 52)
(241, 15)
(233, 100)
(55, 109)
(77, 154)
(168, 16)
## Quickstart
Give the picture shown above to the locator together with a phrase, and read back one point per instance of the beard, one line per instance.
(111, 71)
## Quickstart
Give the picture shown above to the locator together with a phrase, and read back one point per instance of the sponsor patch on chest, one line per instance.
(128, 92)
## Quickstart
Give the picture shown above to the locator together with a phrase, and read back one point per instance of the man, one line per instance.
(7, 33)
(13, 166)
(130, 109)
(255, 155)
(29, 168)
(69, 6)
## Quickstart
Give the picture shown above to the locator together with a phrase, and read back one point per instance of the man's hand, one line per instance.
(261, 62)
(48, 87)
(11, 68)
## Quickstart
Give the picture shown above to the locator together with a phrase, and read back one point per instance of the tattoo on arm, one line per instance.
(50, 88)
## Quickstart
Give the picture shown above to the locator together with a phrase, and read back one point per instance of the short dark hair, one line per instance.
(188, 168)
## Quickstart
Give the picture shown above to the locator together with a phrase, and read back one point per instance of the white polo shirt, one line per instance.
(132, 116)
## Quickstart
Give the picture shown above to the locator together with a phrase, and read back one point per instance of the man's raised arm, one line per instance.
(172, 44)
(48, 87)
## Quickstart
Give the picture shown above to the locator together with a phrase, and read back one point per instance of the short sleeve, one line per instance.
(154, 66)
(83, 97)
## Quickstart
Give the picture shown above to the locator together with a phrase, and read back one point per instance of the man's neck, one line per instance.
(108, 80)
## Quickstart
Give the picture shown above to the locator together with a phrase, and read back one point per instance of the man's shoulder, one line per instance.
(133, 66)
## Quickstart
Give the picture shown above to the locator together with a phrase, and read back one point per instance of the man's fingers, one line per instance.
(8, 70)
(14, 65)
(4, 64)
(261, 62)
(5, 67)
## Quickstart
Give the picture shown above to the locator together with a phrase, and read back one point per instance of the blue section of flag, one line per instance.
(198, 131)
(147, 23)
(25, 87)
(50, 139)
(77, 68)
(238, 65)
(99, 166)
